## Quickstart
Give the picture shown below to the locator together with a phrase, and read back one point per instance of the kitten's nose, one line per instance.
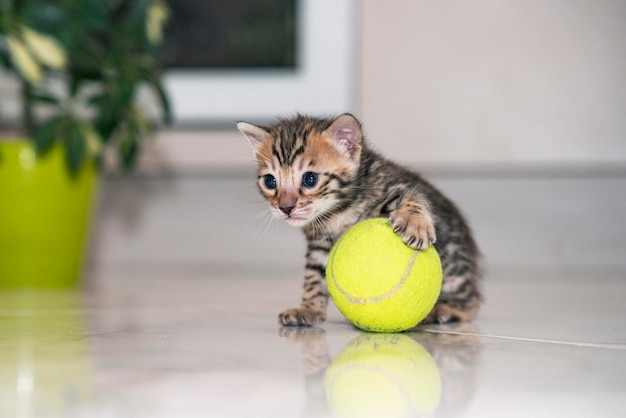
(286, 209)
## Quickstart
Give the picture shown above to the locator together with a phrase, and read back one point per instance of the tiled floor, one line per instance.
(192, 344)
(179, 316)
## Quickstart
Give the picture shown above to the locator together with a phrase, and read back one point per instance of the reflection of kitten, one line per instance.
(319, 174)
(315, 360)
(458, 356)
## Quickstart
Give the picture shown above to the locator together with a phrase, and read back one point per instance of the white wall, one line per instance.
(495, 81)
(471, 84)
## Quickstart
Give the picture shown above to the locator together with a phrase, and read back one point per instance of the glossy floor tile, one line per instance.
(181, 342)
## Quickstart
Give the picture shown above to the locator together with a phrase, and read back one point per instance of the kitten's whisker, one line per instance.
(269, 223)
(245, 202)
(262, 218)
(259, 217)
(320, 221)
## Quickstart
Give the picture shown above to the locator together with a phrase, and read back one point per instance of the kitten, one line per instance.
(320, 175)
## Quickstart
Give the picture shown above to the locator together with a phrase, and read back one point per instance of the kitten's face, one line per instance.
(305, 165)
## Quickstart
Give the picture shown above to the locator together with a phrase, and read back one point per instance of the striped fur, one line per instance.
(354, 183)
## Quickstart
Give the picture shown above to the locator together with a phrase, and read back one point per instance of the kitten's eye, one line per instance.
(309, 180)
(269, 181)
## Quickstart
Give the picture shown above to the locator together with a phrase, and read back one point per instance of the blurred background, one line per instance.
(516, 110)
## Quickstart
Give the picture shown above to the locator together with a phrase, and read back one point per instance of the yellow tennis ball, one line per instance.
(383, 375)
(378, 282)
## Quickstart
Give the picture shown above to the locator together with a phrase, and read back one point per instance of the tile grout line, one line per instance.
(534, 340)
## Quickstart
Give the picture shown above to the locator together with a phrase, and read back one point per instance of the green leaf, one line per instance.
(23, 61)
(95, 99)
(75, 149)
(47, 16)
(92, 139)
(135, 13)
(43, 97)
(74, 85)
(45, 134)
(105, 127)
(4, 59)
(163, 99)
(139, 123)
(129, 149)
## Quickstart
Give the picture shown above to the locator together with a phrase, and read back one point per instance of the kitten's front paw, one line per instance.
(301, 317)
(417, 230)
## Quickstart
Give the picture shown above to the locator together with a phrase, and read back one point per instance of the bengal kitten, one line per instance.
(319, 174)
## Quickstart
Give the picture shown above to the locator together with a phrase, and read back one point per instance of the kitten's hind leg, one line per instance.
(445, 312)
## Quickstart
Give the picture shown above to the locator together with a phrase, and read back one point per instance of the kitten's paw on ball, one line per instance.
(417, 231)
(301, 317)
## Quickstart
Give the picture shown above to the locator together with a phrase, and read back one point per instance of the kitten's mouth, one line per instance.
(299, 216)
(296, 220)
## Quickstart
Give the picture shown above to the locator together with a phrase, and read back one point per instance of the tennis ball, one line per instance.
(383, 375)
(378, 282)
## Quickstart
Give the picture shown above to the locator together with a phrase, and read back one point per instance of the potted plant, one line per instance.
(82, 68)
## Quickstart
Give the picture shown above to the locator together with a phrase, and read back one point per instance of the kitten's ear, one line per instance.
(345, 131)
(254, 134)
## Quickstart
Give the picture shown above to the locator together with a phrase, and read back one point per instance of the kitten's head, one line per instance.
(306, 165)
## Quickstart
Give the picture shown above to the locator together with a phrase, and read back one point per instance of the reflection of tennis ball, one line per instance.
(378, 282)
(384, 375)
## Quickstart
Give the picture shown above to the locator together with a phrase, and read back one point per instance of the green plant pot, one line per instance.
(44, 217)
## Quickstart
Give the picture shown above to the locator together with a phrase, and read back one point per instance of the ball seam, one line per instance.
(374, 299)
